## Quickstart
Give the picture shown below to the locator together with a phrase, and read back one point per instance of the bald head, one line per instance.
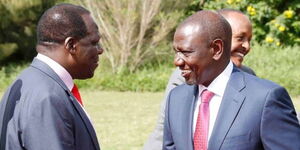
(226, 13)
(61, 21)
(202, 45)
(210, 25)
(241, 34)
(233, 15)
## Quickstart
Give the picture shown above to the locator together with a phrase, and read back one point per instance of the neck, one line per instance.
(55, 52)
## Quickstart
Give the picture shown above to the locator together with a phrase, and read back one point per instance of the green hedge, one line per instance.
(147, 79)
(278, 64)
(281, 65)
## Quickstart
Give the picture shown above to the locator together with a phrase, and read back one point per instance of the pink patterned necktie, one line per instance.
(201, 132)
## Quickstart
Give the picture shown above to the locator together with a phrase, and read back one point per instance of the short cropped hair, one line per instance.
(61, 21)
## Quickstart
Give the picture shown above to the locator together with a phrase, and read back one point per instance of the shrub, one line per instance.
(18, 28)
(278, 64)
(275, 22)
(148, 79)
(9, 73)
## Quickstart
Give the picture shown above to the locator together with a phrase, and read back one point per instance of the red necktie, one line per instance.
(202, 125)
(76, 93)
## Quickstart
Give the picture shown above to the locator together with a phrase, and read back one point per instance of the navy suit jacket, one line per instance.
(254, 114)
(46, 115)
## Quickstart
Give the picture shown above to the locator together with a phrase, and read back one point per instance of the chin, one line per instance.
(237, 62)
(87, 76)
(90, 76)
(191, 82)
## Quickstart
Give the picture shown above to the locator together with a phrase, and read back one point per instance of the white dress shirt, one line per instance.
(217, 86)
(63, 74)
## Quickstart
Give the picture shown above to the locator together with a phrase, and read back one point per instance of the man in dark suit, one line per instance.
(39, 111)
(222, 107)
(240, 47)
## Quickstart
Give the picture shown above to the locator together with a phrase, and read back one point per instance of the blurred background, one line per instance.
(124, 96)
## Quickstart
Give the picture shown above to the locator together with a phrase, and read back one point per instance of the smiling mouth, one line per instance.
(96, 60)
(238, 54)
(96, 63)
(185, 73)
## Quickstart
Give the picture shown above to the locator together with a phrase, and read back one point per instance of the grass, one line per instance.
(124, 120)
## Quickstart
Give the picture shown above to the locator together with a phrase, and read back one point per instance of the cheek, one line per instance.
(248, 49)
(89, 52)
(197, 65)
(192, 62)
(235, 46)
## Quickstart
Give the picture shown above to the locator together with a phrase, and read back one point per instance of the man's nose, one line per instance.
(100, 50)
(178, 61)
(246, 45)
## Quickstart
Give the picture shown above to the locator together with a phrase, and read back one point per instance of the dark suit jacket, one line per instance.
(247, 69)
(46, 116)
(254, 114)
(155, 139)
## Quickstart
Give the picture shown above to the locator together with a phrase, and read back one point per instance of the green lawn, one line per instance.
(123, 120)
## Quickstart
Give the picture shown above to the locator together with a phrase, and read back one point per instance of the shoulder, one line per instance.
(183, 93)
(260, 83)
(248, 70)
(38, 89)
(266, 91)
(250, 85)
(184, 89)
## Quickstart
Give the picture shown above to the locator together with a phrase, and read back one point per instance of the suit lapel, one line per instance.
(47, 70)
(229, 108)
(188, 127)
(86, 120)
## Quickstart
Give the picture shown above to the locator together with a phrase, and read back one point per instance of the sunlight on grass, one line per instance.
(296, 101)
(123, 120)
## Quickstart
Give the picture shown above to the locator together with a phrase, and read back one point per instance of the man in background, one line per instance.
(42, 109)
(222, 107)
(240, 47)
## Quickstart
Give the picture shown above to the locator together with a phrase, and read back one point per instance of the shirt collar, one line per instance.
(218, 85)
(63, 74)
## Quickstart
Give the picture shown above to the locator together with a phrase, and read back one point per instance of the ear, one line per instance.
(70, 45)
(217, 47)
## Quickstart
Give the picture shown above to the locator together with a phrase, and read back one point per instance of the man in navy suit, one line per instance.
(245, 112)
(240, 47)
(39, 111)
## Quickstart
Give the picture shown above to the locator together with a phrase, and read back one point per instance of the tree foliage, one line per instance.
(134, 31)
(18, 27)
(275, 22)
